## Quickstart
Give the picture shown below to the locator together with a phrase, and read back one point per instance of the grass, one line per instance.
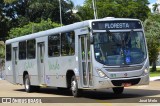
(154, 74)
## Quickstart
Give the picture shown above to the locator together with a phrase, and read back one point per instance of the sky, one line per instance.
(152, 1)
(151, 4)
(80, 2)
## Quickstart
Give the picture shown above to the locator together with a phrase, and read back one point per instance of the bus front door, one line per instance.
(41, 66)
(85, 61)
(15, 67)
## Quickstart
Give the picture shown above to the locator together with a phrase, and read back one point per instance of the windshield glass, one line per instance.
(119, 48)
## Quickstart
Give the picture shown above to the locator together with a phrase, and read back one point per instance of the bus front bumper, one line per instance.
(100, 83)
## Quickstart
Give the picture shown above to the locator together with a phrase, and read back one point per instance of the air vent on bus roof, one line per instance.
(107, 17)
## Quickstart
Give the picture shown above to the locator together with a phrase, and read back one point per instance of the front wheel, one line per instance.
(118, 90)
(74, 87)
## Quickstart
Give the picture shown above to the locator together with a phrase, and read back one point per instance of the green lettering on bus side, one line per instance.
(54, 66)
(28, 65)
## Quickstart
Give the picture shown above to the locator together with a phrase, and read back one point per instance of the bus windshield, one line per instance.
(119, 48)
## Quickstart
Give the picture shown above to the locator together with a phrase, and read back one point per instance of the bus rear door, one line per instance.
(40, 59)
(15, 64)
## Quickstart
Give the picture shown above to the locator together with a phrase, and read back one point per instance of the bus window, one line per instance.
(22, 50)
(8, 52)
(68, 43)
(54, 45)
(31, 49)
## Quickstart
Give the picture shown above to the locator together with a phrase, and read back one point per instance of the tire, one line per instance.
(27, 84)
(74, 87)
(118, 90)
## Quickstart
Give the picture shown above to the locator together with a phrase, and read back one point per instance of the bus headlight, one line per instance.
(146, 71)
(100, 73)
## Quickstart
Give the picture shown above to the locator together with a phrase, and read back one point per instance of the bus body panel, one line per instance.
(9, 71)
(101, 83)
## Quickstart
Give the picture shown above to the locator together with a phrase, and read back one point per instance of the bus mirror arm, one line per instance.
(91, 39)
(108, 32)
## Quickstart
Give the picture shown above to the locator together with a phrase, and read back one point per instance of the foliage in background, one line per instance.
(35, 10)
(152, 29)
(2, 55)
(17, 13)
(116, 8)
(155, 7)
(2, 50)
(3, 22)
(155, 74)
(32, 28)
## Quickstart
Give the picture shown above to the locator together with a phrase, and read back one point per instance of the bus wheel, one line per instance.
(27, 84)
(74, 87)
(118, 90)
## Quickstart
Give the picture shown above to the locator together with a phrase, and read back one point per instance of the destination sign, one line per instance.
(111, 25)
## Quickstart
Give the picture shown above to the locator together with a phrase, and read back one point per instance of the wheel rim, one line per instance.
(27, 84)
(73, 86)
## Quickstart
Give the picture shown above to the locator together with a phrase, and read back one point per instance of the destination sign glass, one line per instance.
(112, 25)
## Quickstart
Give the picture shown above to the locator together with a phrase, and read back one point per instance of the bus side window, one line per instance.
(22, 50)
(68, 43)
(8, 52)
(31, 49)
(54, 45)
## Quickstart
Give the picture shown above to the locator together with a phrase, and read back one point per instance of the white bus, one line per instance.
(93, 54)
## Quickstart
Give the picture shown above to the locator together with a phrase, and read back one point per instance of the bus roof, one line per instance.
(63, 29)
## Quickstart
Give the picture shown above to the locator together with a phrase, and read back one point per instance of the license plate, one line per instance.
(126, 84)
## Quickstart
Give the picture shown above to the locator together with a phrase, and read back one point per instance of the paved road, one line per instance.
(103, 97)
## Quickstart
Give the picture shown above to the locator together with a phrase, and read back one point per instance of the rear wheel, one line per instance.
(74, 87)
(28, 87)
(118, 90)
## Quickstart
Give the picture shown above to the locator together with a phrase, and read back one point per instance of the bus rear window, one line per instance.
(8, 52)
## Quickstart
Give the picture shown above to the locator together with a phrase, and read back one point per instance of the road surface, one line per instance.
(131, 96)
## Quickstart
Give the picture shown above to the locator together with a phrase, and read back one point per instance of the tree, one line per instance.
(3, 22)
(18, 13)
(155, 7)
(152, 26)
(2, 50)
(7, 17)
(2, 55)
(116, 8)
(32, 28)
(71, 14)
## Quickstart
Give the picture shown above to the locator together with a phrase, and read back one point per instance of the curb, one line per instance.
(154, 78)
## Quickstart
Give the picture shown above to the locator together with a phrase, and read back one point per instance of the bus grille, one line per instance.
(124, 68)
(120, 82)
